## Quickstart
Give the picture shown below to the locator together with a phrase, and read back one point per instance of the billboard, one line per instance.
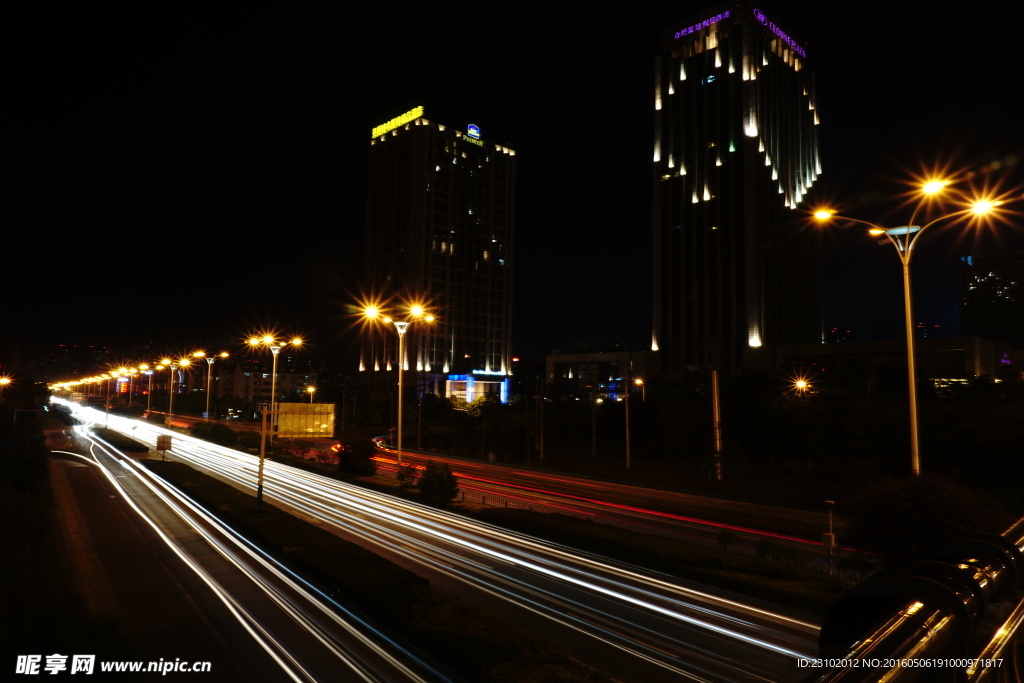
(298, 420)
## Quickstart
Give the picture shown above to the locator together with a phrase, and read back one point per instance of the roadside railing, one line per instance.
(912, 621)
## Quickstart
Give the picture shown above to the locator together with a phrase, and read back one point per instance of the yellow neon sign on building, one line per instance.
(405, 118)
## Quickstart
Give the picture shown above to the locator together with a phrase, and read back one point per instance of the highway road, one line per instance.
(289, 630)
(657, 627)
(668, 513)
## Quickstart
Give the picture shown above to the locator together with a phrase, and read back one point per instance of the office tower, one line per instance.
(440, 217)
(992, 297)
(736, 267)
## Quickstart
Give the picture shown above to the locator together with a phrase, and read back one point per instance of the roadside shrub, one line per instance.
(407, 475)
(438, 486)
(355, 456)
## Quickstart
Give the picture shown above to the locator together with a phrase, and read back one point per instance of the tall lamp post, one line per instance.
(106, 401)
(209, 373)
(146, 370)
(275, 346)
(131, 383)
(415, 312)
(904, 238)
(173, 366)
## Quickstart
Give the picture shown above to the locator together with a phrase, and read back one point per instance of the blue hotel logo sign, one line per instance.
(473, 131)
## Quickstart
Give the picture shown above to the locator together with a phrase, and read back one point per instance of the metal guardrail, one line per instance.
(911, 622)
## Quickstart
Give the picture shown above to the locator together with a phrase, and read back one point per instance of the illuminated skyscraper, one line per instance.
(440, 217)
(992, 297)
(735, 150)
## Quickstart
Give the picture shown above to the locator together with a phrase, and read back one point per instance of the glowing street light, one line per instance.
(209, 373)
(310, 391)
(643, 389)
(146, 370)
(173, 365)
(904, 239)
(415, 312)
(275, 345)
(130, 373)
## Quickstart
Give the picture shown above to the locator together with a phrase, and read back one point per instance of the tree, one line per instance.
(438, 486)
(407, 474)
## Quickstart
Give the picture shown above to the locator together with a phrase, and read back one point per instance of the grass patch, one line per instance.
(120, 441)
(784, 581)
(788, 583)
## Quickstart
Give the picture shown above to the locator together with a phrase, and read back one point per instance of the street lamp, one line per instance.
(209, 373)
(146, 370)
(275, 346)
(130, 372)
(904, 238)
(415, 312)
(106, 401)
(173, 365)
(310, 391)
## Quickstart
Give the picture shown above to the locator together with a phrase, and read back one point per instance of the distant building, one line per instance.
(440, 221)
(942, 361)
(610, 375)
(253, 382)
(924, 330)
(60, 361)
(736, 267)
(838, 335)
(992, 297)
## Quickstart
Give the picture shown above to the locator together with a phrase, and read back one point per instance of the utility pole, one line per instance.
(627, 384)
(716, 412)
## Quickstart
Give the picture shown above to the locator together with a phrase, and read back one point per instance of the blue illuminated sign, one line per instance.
(473, 131)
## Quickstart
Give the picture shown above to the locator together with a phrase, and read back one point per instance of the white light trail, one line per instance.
(589, 594)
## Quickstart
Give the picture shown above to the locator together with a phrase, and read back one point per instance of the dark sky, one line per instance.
(188, 175)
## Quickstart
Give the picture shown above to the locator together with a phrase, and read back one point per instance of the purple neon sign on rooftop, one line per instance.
(761, 18)
(703, 24)
(759, 15)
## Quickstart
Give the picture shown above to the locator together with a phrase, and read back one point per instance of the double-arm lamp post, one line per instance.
(147, 370)
(904, 239)
(275, 345)
(414, 312)
(172, 366)
(209, 373)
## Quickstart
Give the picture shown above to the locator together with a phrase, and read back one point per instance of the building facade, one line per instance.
(611, 374)
(440, 220)
(736, 266)
(992, 297)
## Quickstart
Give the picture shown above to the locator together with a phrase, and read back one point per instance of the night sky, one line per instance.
(185, 177)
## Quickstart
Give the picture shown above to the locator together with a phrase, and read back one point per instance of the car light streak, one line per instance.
(636, 611)
(248, 559)
(462, 476)
(250, 624)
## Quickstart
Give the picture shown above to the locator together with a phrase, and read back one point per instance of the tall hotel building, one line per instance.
(440, 219)
(736, 267)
